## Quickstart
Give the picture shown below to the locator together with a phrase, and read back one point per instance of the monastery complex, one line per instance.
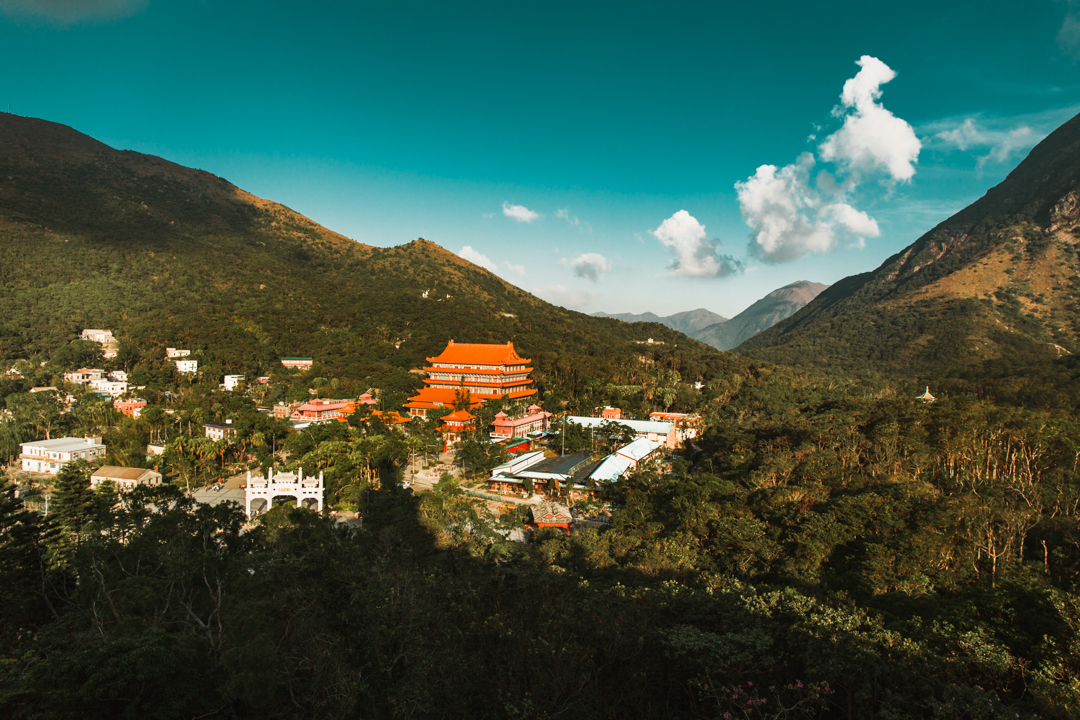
(483, 371)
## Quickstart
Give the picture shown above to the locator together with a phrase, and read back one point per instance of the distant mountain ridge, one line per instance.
(762, 315)
(688, 322)
(998, 282)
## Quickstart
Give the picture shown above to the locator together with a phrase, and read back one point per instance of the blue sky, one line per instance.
(624, 157)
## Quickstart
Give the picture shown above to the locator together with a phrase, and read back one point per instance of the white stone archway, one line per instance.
(293, 485)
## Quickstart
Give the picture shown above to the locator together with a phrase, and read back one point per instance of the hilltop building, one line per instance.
(232, 382)
(687, 425)
(187, 366)
(173, 353)
(483, 371)
(48, 456)
(297, 362)
(105, 338)
(219, 431)
(132, 408)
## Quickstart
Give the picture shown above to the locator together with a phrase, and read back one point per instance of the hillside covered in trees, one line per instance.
(164, 255)
(992, 292)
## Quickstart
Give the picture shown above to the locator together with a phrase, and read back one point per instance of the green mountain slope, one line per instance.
(993, 291)
(167, 255)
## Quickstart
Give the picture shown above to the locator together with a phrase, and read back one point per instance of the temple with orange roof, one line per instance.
(483, 371)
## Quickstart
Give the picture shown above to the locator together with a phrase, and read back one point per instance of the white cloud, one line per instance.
(564, 214)
(800, 209)
(999, 144)
(477, 258)
(590, 266)
(694, 255)
(518, 270)
(789, 219)
(68, 12)
(559, 295)
(519, 213)
(871, 138)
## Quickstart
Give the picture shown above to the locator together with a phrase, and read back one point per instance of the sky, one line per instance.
(605, 156)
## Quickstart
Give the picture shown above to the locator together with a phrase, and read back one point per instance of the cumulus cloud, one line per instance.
(69, 12)
(477, 258)
(871, 138)
(518, 270)
(801, 209)
(997, 144)
(590, 266)
(519, 213)
(693, 254)
(559, 295)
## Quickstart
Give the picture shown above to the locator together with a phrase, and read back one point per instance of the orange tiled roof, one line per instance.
(459, 415)
(443, 396)
(479, 354)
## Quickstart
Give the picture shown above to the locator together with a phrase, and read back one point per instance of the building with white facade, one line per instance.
(234, 381)
(283, 483)
(84, 376)
(218, 431)
(48, 456)
(658, 431)
(187, 366)
(112, 388)
(173, 353)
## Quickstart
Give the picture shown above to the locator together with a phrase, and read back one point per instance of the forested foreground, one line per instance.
(818, 554)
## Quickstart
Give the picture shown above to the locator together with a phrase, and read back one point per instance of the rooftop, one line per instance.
(479, 354)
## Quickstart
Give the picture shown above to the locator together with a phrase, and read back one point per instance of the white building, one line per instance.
(217, 431)
(287, 483)
(187, 366)
(48, 456)
(118, 376)
(112, 388)
(172, 353)
(84, 376)
(661, 432)
(233, 381)
(125, 478)
(98, 336)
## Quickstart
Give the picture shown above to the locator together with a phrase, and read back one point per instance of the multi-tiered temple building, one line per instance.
(483, 371)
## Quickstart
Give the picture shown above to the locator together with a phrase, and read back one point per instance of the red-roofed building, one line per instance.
(484, 371)
(454, 426)
(319, 411)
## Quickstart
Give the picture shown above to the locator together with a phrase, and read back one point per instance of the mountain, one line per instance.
(167, 255)
(688, 322)
(992, 291)
(762, 315)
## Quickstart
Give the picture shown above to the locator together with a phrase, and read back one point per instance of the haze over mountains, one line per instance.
(688, 322)
(997, 284)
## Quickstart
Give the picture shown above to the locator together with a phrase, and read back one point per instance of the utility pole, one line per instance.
(562, 451)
